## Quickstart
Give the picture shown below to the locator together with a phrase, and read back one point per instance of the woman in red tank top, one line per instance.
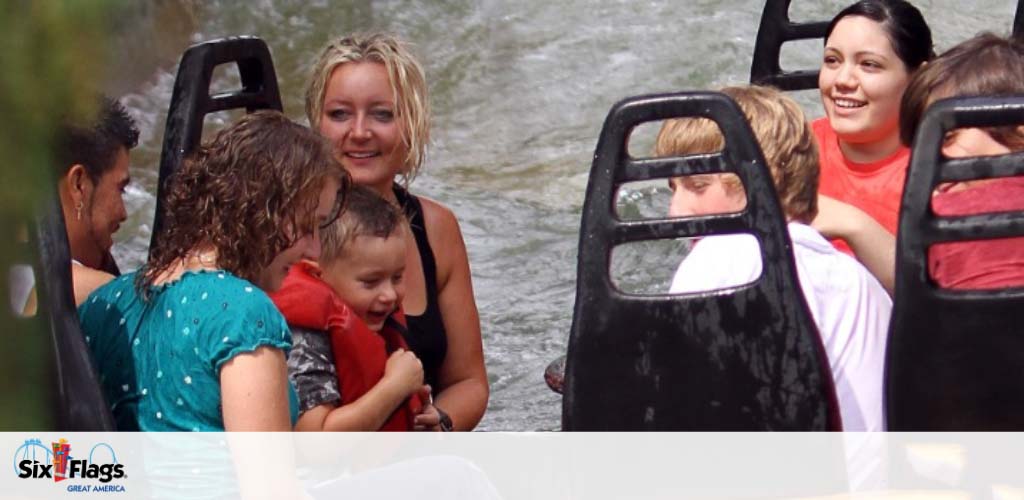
(984, 65)
(872, 49)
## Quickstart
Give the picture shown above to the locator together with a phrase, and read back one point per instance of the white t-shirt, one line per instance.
(850, 308)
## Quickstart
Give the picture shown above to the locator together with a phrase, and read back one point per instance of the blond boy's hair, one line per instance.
(781, 130)
(366, 213)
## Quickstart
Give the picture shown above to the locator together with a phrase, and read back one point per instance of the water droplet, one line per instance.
(170, 313)
(188, 379)
(159, 415)
(125, 387)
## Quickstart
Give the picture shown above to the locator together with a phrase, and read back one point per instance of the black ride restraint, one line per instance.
(776, 29)
(749, 358)
(954, 357)
(191, 100)
(77, 401)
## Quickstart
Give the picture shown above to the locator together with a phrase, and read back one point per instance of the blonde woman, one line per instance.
(367, 95)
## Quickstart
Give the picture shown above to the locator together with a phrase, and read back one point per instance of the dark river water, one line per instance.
(519, 92)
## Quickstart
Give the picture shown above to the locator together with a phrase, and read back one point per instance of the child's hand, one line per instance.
(405, 369)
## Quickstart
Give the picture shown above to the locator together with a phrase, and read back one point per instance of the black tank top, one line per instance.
(426, 335)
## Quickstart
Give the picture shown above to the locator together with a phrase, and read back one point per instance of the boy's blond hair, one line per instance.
(781, 130)
(366, 213)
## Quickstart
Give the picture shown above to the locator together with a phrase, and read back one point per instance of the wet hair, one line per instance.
(249, 193)
(909, 34)
(94, 142)
(986, 65)
(408, 88)
(366, 214)
(785, 137)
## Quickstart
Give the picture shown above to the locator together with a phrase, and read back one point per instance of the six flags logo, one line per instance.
(59, 465)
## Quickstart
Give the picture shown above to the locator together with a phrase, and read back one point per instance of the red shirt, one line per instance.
(982, 264)
(875, 188)
(360, 354)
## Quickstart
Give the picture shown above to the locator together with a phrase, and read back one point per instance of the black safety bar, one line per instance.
(954, 357)
(776, 29)
(80, 405)
(191, 100)
(748, 359)
(1018, 19)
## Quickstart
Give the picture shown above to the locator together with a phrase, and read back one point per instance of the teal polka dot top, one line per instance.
(159, 361)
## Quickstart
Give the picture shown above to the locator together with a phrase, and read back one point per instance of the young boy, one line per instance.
(350, 364)
(850, 307)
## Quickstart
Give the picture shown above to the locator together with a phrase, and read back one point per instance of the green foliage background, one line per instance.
(52, 59)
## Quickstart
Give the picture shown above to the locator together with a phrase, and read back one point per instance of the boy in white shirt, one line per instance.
(850, 307)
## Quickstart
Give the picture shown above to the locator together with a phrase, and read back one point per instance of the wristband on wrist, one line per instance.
(445, 422)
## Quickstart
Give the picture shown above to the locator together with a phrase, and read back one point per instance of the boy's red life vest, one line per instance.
(360, 354)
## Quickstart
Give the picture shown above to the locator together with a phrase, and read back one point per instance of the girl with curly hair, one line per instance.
(368, 96)
(191, 342)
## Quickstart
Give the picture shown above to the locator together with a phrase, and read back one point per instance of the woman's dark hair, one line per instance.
(908, 32)
(986, 65)
(249, 194)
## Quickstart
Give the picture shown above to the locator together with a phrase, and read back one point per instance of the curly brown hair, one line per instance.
(249, 194)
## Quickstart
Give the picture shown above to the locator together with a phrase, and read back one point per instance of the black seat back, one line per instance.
(80, 405)
(191, 100)
(954, 359)
(775, 30)
(750, 359)
(1018, 19)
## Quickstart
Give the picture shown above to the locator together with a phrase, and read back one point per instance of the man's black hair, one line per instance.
(94, 143)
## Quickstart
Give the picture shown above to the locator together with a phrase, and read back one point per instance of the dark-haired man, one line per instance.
(92, 159)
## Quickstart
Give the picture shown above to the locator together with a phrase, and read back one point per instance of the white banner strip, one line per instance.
(481, 466)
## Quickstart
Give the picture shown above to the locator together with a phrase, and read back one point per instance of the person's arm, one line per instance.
(428, 419)
(85, 280)
(874, 246)
(403, 375)
(463, 390)
(254, 392)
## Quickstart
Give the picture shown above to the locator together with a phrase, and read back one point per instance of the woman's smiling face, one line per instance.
(862, 80)
(359, 119)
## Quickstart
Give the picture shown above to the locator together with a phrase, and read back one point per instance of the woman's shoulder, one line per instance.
(445, 237)
(437, 214)
(442, 227)
(222, 290)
